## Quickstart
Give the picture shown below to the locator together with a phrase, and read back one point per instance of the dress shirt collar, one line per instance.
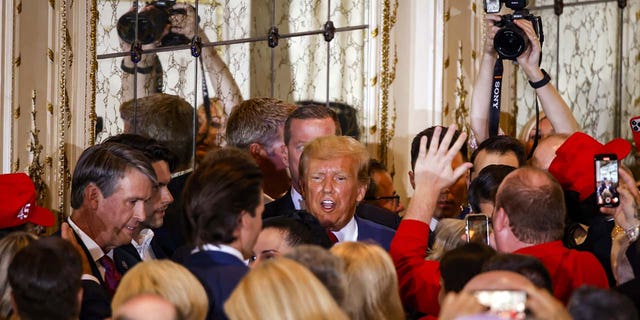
(296, 197)
(144, 247)
(349, 232)
(433, 224)
(221, 248)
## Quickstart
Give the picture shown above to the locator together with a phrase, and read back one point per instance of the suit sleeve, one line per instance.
(419, 279)
(95, 302)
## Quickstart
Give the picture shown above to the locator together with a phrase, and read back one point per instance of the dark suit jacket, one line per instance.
(371, 231)
(125, 257)
(219, 273)
(284, 205)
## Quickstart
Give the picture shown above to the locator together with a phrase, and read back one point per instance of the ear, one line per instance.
(285, 155)
(256, 151)
(362, 191)
(411, 180)
(92, 196)
(500, 220)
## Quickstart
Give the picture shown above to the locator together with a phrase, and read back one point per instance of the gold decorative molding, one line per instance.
(65, 114)
(387, 76)
(36, 169)
(16, 112)
(50, 54)
(462, 112)
(93, 23)
(50, 108)
(19, 8)
(374, 32)
(15, 165)
(52, 3)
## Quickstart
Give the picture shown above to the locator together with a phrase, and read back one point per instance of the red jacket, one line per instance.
(569, 269)
(418, 278)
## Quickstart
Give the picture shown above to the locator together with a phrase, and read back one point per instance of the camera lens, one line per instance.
(151, 24)
(510, 42)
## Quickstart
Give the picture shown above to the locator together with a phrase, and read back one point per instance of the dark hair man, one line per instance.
(146, 245)
(334, 177)
(529, 219)
(109, 188)
(45, 280)
(503, 150)
(257, 125)
(224, 207)
(381, 192)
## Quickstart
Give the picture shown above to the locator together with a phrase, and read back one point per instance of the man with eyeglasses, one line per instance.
(381, 192)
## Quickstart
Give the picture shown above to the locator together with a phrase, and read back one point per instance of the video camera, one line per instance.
(511, 41)
(151, 24)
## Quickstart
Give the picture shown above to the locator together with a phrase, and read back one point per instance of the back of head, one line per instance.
(545, 152)
(461, 264)
(166, 118)
(309, 112)
(226, 183)
(373, 283)
(447, 236)
(41, 291)
(281, 289)
(104, 165)
(9, 246)
(151, 148)
(333, 147)
(347, 117)
(299, 228)
(485, 186)
(415, 143)
(328, 268)
(168, 280)
(374, 166)
(257, 121)
(588, 303)
(534, 203)
(528, 266)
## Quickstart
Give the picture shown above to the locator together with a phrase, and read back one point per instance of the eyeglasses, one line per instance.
(394, 198)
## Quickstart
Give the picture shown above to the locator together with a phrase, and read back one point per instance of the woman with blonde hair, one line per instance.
(448, 235)
(281, 289)
(168, 280)
(372, 292)
(9, 246)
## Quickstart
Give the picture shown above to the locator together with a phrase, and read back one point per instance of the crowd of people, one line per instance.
(286, 218)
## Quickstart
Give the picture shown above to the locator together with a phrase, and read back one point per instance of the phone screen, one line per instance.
(606, 170)
(506, 304)
(477, 228)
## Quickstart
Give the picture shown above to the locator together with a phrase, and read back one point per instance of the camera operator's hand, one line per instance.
(625, 213)
(490, 30)
(184, 23)
(529, 60)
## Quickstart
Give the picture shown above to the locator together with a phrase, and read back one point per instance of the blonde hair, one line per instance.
(281, 289)
(373, 283)
(9, 246)
(447, 236)
(333, 147)
(528, 126)
(168, 280)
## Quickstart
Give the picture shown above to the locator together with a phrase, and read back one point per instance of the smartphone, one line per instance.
(492, 6)
(477, 228)
(606, 172)
(506, 304)
(634, 123)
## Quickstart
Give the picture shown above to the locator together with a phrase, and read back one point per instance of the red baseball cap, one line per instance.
(573, 165)
(18, 202)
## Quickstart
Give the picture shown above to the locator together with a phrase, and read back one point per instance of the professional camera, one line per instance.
(511, 41)
(151, 24)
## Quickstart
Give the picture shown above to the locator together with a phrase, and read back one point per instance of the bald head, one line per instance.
(546, 151)
(498, 280)
(534, 203)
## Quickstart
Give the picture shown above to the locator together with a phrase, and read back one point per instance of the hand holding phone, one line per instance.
(506, 304)
(606, 173)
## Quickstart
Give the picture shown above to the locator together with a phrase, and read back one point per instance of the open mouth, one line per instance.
(328, 204)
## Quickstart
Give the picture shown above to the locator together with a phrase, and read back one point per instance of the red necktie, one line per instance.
(331, 236)
(111, 274)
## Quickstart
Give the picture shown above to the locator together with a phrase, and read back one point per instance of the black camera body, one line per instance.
(511, 41)
(151, 25)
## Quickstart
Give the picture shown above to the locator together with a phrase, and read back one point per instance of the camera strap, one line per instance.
(205, 101)
(496, 94)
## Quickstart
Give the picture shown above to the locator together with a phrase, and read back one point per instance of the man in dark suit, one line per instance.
(302, 126)
(334, 177)
(224, 204)
(144, 245)
(110, 185)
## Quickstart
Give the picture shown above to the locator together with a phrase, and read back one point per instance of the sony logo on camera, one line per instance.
(511, 41)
